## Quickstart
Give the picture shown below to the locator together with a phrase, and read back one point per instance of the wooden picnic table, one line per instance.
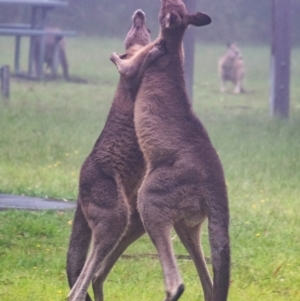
(35, 27)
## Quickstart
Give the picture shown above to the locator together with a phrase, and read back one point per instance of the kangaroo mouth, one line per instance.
(138, 18)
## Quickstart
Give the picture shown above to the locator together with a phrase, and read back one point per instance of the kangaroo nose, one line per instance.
(139, 14)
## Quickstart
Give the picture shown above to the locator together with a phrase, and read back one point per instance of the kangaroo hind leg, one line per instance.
(78, 247)
(108, 225)
(237, 88)
(134, 231)
(158, 225)
(160, 235)
(190, 238)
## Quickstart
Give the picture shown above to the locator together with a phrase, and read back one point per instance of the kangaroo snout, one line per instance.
(139, 18)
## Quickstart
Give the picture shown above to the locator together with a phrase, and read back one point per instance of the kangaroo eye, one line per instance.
(148, 30)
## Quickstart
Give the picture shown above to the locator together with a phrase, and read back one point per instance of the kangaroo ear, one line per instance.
(198, 19)
(172, 20)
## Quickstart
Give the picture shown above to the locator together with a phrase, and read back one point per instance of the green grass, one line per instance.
(49, 128)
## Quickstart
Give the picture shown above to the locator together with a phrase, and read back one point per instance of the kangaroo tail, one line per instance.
(78, 247)
(218, 222)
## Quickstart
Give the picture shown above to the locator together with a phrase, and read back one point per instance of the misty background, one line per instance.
(246, 21)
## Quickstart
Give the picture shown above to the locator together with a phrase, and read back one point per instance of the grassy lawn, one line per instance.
(49, 128)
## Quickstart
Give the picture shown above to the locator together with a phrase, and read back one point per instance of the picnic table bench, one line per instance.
(35, 28)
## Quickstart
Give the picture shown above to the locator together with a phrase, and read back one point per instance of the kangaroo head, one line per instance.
(173, 15)
(233, 51)
(138, 33)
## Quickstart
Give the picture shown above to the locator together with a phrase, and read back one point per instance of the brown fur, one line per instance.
(106, 213)
(231, 68)
(184, 181)
(49, 56)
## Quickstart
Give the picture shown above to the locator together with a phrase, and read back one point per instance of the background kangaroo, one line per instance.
(106, 218)
(231, 68)
(184, 181)
(49, 57)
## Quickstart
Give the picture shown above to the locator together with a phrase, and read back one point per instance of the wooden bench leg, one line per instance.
(36, 62)
(55, 61)
(40, 73)
(17, 54)
(31, 58)
(4, 72)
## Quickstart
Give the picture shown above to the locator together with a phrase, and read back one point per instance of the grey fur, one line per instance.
(49, 56)
(107, 219)
(184, 181)
(231, 68)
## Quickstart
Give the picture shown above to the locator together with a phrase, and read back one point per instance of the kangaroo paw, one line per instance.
(157, 51)
(114, 58)
(123, 67)
(161, 46)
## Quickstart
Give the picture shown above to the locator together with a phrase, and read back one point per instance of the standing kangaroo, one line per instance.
(106, 218)
(184, 181)
(231, 68)
(51, 41)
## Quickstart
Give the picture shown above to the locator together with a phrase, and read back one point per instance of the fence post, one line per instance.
(280, 58)
(4, 72)
(189, 42)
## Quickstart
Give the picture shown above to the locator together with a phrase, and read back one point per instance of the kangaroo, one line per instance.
(106, 218)
(231, 68)
(51, 41)
(184, 181)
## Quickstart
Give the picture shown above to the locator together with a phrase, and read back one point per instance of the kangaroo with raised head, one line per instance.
(231, 68)
(106, 218)
(49, 56)
(184, 181)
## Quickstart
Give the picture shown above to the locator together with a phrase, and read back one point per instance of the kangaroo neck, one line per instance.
(123, 98)
(173, 39)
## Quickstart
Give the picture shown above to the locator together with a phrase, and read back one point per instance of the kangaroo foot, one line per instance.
(176, 296)
(237, 90)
